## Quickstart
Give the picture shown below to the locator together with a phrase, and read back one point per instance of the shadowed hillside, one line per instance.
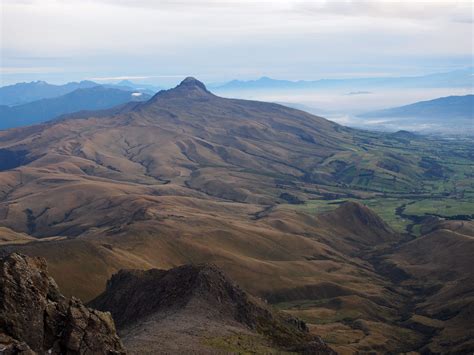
(438, 266)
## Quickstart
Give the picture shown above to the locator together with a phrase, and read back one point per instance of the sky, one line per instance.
(163, 41)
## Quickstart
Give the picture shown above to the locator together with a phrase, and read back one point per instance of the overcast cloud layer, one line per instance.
(162, 41)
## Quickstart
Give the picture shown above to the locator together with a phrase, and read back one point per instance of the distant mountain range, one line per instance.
(455, 79)
(445, 108)
(93, 98)
(25, 109)
(22, 93)
(142, 87)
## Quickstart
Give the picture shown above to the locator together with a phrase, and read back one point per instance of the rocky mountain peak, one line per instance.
(190, 89)
(191, 82)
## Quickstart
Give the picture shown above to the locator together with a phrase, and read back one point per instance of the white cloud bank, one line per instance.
(225, 39)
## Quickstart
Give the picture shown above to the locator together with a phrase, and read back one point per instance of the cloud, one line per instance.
(224, 39)
(420, 9)
(358, 93)
(30, 70)
(457, 10)
(387, 8)
(467, 17)
(134, 77)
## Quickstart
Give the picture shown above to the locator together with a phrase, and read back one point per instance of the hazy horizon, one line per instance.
(161, 42)
(175, 80)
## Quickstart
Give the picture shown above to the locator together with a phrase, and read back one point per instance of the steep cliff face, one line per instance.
(36, 318)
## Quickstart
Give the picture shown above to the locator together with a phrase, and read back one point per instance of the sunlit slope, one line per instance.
(184, 141)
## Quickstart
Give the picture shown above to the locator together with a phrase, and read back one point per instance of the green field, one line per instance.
(445, 208)
(445, 190)
(386, 208)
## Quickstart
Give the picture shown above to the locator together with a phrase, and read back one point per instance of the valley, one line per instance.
(337, 226)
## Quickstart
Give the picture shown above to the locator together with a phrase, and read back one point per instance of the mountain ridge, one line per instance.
(449, 107)
(26, 92)
(457, 78)
(141, 303)
(92, 98)
(21, 93)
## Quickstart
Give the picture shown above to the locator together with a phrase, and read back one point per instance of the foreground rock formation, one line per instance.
(188, 308)
(198, 309)
(36, 318)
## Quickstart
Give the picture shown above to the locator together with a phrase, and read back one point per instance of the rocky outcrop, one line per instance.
(36, 318)
(133, 296)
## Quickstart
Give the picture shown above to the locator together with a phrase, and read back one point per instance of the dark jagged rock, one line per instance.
(36, 318)
(132, 296)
